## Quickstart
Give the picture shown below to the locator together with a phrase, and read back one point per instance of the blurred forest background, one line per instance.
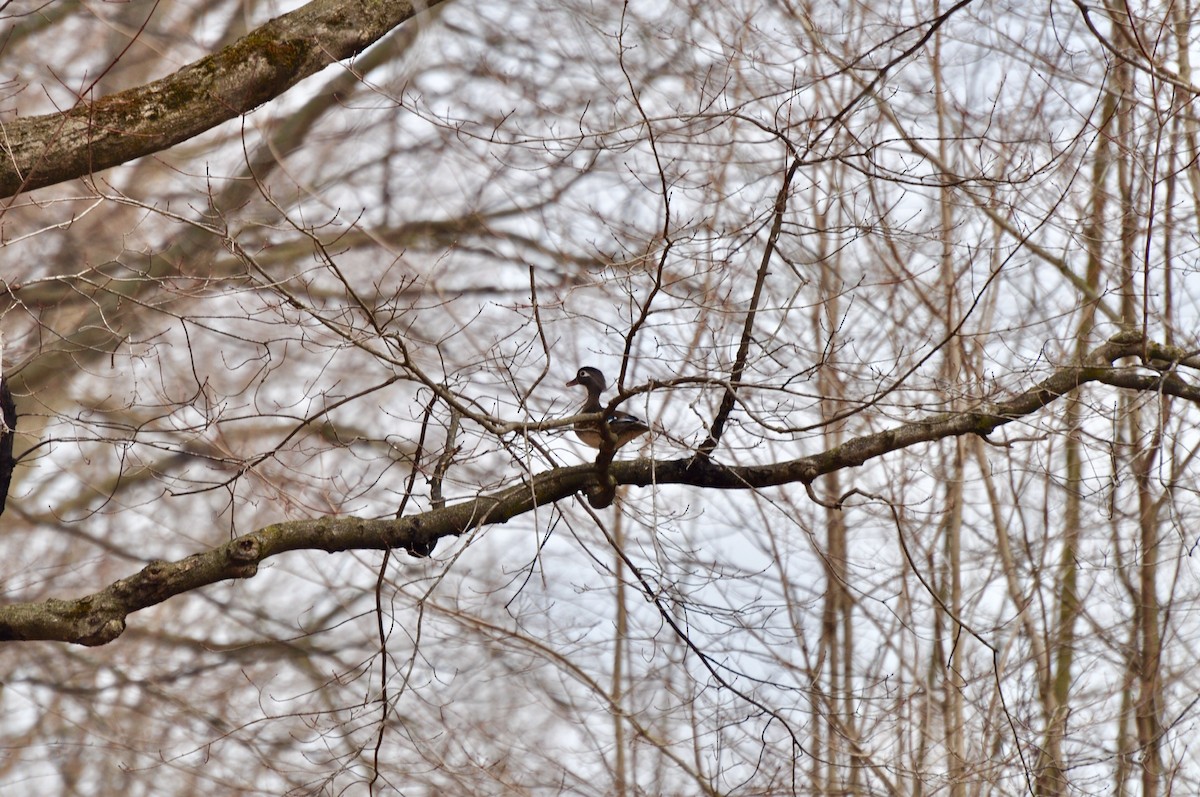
(845, 217)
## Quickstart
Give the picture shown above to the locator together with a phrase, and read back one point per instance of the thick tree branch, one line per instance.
(100, 618)
(95, 134)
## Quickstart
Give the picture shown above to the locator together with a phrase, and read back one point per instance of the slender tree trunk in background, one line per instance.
(837, 733)
(619, 652)
(1050, 778)
(1149, 709)
(952, 473)
(952, 681)
(1142, 445)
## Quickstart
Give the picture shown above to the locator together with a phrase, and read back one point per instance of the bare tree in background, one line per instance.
(289, 303)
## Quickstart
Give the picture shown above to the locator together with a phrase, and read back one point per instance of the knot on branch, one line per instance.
(808, 472)
(602, 495)
(418, 542)
(155, 572)
(245, 549)
(104, 633)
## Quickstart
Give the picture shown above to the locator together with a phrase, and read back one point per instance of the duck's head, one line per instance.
(590, 378)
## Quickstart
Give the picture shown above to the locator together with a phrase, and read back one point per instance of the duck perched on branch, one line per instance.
(622, 426)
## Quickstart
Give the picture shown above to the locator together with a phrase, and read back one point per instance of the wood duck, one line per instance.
(621, 425)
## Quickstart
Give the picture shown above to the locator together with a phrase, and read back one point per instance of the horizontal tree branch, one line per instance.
(37, 151)
(101, 617)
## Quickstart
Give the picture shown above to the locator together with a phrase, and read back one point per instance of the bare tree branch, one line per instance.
(101, 617)
(93, 135)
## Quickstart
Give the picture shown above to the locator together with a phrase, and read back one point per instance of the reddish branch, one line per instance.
(100, 618)
(98, 133)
